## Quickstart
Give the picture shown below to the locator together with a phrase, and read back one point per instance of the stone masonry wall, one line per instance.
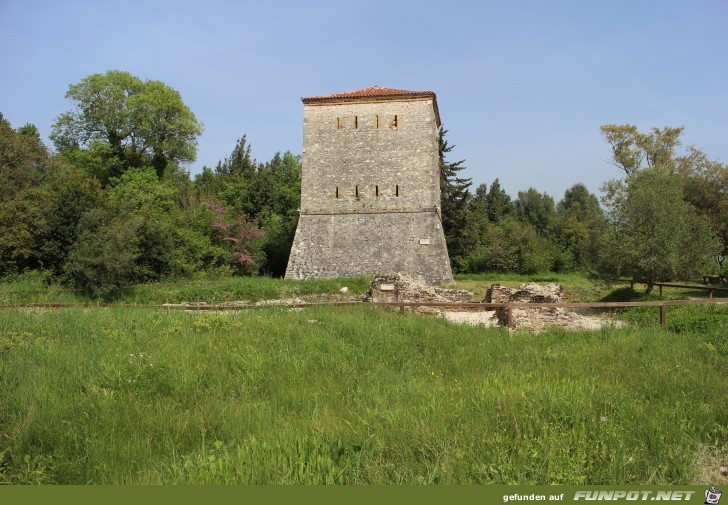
(370, 192)
(345, 245)
(393, 167)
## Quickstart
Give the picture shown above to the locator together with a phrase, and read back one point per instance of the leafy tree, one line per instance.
(537, 210)
(41, 201)
(240, 163)
(498, 202)
(24, 161)
(581, 222)
(133, 121)
(23, 223)
(513, 246)
(72, 196)
(139, 189)
(454, 198)
(478, 204)
(269, 193)
(633, 150)
(242, 236)
(704, 182)
(706, 188)
(655, 235)
(104, 258)
(495, 252)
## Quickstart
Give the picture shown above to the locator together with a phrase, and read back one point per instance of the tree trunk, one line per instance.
(650, 285)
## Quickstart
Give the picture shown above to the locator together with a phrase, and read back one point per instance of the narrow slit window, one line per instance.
(356, 191)
(337, 192)
(394, 122)
(377, 121)
(396, 190)
(338, 123)
(356, 122)
(376, 191)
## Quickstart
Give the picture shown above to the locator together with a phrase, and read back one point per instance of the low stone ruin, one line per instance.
(537, 318)
(399, 287)
(525, 293)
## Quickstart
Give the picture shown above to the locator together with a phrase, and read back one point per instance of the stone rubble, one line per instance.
(538, 318)
(400, 287)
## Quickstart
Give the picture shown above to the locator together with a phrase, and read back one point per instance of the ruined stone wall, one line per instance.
(399, 287)
(370, 192)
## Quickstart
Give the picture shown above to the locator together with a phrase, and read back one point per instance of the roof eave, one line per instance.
(374, 99)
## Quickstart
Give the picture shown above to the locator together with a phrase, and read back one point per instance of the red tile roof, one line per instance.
(373, 93)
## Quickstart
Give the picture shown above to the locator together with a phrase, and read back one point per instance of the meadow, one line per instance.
(352, 395)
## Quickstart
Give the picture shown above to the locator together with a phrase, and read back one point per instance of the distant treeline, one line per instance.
(112, 205)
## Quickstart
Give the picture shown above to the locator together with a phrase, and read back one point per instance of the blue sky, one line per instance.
(522, 86)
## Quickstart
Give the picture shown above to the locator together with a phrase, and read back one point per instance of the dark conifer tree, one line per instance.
(454, 197)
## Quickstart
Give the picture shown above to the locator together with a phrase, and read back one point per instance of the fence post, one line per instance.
(710, 293)
(663, 314)
(509, 317)
(660, 290)
(401, 309)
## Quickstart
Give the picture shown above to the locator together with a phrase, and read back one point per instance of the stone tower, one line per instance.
(370, 187)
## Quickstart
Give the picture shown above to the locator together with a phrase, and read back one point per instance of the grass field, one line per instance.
(130, 395)
(354, 396)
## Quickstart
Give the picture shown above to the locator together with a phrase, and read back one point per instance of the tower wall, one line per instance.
(346, 245)
(370, 192)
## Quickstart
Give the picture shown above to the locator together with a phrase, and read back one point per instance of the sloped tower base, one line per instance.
(346, 245)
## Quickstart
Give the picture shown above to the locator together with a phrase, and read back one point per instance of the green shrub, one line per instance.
(104, 258)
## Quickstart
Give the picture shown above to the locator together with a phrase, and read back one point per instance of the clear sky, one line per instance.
(522, 85)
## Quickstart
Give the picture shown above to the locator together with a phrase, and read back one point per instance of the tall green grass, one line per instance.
(34, 288)
(352, 396)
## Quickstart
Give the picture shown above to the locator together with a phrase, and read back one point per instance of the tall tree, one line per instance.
(706, 188)
(581, 223)
(240, 163)
(633, 150)
(655, 235)
(454, 197)
(536, 209)
(137, 122)
(498, 202)
(704, 181)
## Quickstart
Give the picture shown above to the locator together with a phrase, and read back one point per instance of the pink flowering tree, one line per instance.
(240, 234)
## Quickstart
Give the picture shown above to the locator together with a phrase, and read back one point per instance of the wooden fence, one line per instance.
(508, 307)
(709, 289)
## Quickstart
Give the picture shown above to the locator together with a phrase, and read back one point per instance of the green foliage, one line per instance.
(137, 122)
(655, 235)
(24, 160)
(704, 182)
(104, 258)
(266, 193)
(454, 197)
(140, 189)
(633, 150)
(580, 225)
(514, 246)
(23, 223)
(537, 210)
(72, 196)
(498, 203)
(705, 186)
